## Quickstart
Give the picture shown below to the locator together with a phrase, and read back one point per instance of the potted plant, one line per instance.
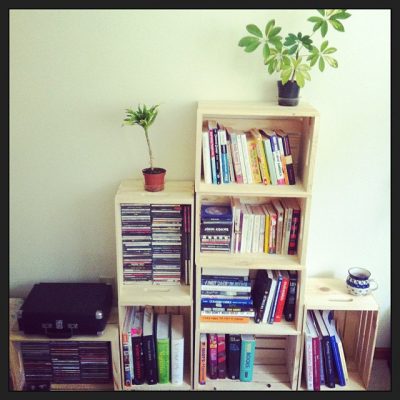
(296, 55)
(144, 116)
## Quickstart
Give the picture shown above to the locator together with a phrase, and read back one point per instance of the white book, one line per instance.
(256, 229)
(215, 271)
(230, 161)
(258, 243)
(235, 154)
(177, 349)
(206, 158)
(250, 228)
(236, 216)
(239, 143)
(244, 228)
(271, 294)
(308, 358)
(126, 341)
(246, 158)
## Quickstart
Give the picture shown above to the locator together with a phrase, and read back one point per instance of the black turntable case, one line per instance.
(61, 310)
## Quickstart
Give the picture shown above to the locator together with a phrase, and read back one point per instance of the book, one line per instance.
(225, 174)
(137, 349)
(262, 160)
(329, 371)
(213, 127)
(294, 227)
(280, 212)
(271, 295)
(149, 348)
(268, 154)
(163, 347)
(260, 291)
(224, 319)
(233, 344)
(287, 224)
(283, 291)
(215, 271)
(235, 151)
(283, 159)
(288, 156)
(316, 363)
(276, 155)
(268, 208)
(326, 316)
(341, 351)
(236, 312)
(225, 302)
(206, 155)
(210, 125)
(232, 177)
(247, 354)
(253, 157)
(290, 304)
(221, 356)
(216, 212)
(308, 359)
(177, 349)
(203, 359)
(127, 347)
(246, 158)
(228, 288)
(272, 311)
(212, 355)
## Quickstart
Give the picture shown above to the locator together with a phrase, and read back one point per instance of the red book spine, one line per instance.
(281, 299)
(316, 364)
(221, 356)
(212, 355)
(294, 232)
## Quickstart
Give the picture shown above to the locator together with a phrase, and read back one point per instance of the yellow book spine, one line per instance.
(255, 170)
(262, 162)
(266, 233)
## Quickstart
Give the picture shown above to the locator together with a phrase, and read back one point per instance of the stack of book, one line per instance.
(136, 242)
(226, 356)
(253, 156)
(166, 231)
(226, 298)
(271, 228)
(153, 347)
(274, 295)
(324, 359)
(216, 227)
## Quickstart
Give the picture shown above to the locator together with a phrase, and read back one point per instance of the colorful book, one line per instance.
(137, 349)
(274, 304)
(203, 359)
(233, 343)
(127, 347)
(206, 155)
(149, 347)
(260, 292)
(283, 159)
(247, 355)
(177, 349)
(283, 291)
(232, 177)
(212, 150)
(253, 157)
(280, 213)
(287, 224)
(288, 157)
(212, 355)
(316, 363)
(341, 351)
(271, 295)
(235, 151)
(225, 174)
(163, 347)
(294, 227)
(276, 155)
(290, 304)
(268, 208)
(213, 127)
(216, 212)
(221, 356)
(262, 160)
(269, 156)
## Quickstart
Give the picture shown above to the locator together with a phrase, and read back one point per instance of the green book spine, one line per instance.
(163, 360)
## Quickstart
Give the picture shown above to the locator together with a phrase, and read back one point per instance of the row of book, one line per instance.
(240, 227)
(237, 298)
(253, 156)
(324, 359)
(156, 243)
(66, 362)
(226, 356)
(153, 347)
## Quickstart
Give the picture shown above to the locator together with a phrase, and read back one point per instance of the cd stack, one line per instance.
(136, 242)
(37, 362)
(95, 362)
(65, 361)
(166, 227)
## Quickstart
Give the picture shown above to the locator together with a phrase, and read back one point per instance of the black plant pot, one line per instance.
(288, 94)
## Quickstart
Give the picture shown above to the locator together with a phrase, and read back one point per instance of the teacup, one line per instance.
(358, 282)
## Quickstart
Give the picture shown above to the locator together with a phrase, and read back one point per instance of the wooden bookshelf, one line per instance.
(110, 334)
(279, 367)
(357, 323)
(172, 299)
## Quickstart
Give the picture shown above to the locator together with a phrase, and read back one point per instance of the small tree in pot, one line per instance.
(144, 116)
(287, 57)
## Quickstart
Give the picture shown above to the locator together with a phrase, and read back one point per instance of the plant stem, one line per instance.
(149, 146)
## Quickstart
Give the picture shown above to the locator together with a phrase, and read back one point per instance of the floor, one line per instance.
(380, 376)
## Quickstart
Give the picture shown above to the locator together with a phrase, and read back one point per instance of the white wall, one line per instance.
(73, 73)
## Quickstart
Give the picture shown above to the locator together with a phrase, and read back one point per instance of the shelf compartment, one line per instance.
(154, 295)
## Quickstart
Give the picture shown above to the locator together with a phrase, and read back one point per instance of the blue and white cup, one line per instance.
(358, 282)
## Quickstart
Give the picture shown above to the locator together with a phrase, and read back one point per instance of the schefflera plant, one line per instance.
(294, 56)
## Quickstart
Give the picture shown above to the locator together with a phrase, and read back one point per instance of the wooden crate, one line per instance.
(356, 321)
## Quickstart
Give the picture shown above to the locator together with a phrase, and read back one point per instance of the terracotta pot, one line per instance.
(154, 179)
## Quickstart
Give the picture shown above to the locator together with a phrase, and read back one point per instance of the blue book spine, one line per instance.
(275, 300)
(328, 359)
(338, 364)
(247, 353)
(226, 302)
(224, 157)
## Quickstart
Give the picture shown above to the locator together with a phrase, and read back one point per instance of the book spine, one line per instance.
(286, 230)
(163, 360)
(308, 360)
(224, 156)
(226, 302)
(275, 301)
(280, 178)
(177, 357)
(294, 232)
(290, 304)
(216, 229)
(224, 318)
(212, 353)
(246, 158)
(262, 307)
(255, 169)
(247, 359)
(230, 162)
(262, 162)
(283, 159)
(203, 359)
(221, 356)
(206, 158)
(126, 360)
(217, 156)
(328, 359)
(316, 364)
(270, 161)
(239, 142)
(281, 299)
(233, 356)
(212, 156)
(227, 312)
(289, 160)
(236, 159)
(138, 360)
(150, 363)
(272, 234)
(337, 361)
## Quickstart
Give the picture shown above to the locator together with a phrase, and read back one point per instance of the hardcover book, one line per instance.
(163, 347)
(260, 291)
(268, 154)
(216, 212)
(137, 349)
(221, 356)
(316, 363)
(247, 354)
(233, 356)
(271, 295)
(290, 304)
(177, 349)
(212, 356)
(149, 347)
(282, 296)
(278, 277)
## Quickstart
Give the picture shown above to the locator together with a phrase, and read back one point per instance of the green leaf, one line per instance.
(337, 25)
(341, 15)
(315, 19)
(254, 30)
(268, 27)
(271, 67)
(306, 75)
(324, 28)
(266, 51)
(314, 59)
(322, 12)
(331, 61)
(324, 45)
(285, 75)
(321, 64)
(247, 40)
(274, 31)
(252, 46)
(293, 49)
(329, 12)
(317, 25)
(285, 61)
(330, 50)
(276, 41)
(289, 40)
(299, 79)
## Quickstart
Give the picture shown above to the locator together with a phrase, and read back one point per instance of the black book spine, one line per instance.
(290, 304)
(150, 361)
(233, 356)
(138, 360)
(217, 156)
(328, 362)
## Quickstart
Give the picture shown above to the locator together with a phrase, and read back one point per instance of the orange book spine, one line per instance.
(224, 318)
(203, 359)
(255, 169)
(281, 299)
